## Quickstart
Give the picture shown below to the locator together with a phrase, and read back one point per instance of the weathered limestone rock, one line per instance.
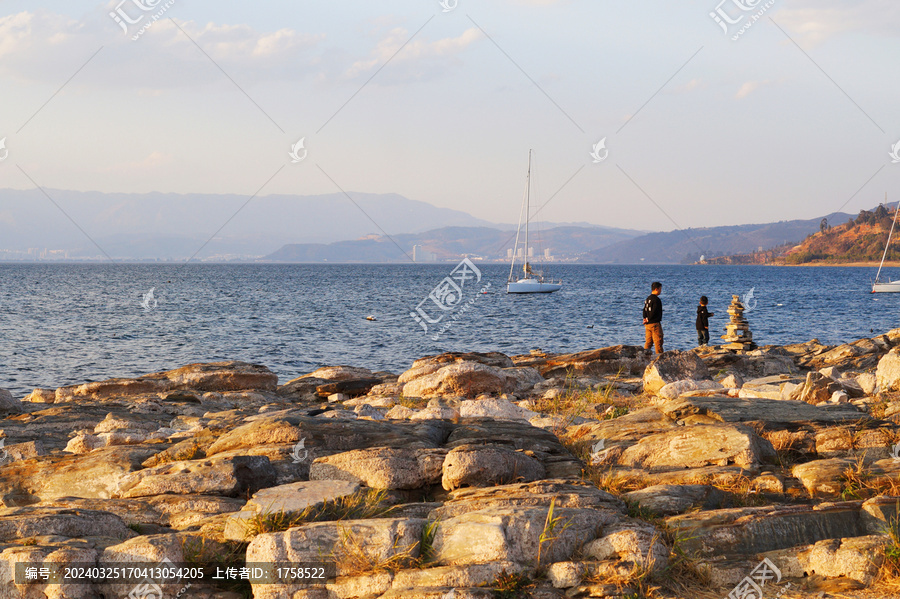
(856, 558)
(633, 541)
(498, 409)
(825, 477)
(25, 522)
(778, 386)
(506, 534)
(478, 466)
(624, 359)
(817, 389)
(23, 451)
(465, 379)
(229, 476)
(700, 445)
(678, 388)
(348, 387)
(471, 575)
(41, 396)
(673, 366)
(732, 381)
(382, 467)
(9, 404)
(148, 549)
(772, 411)
(669, 500)
(887, 375)
(290, 499)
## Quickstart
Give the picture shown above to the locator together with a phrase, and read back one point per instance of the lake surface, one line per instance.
(62, 324)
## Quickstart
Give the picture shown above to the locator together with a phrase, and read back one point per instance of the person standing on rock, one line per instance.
(703, 322)
(653, 318)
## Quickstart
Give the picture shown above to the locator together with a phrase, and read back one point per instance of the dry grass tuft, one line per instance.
(861, 482)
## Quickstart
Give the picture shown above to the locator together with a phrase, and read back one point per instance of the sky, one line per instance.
(703, 123)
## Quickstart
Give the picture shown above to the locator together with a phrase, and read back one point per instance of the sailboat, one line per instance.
(890, 286)
(531, 282)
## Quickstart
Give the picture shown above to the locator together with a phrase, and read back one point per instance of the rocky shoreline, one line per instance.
(605, 473)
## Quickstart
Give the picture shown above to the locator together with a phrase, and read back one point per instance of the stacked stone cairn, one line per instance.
(737, 331)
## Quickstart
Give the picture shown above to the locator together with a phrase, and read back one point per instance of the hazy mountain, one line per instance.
(173, 226)
(675, 247)
(448, 243)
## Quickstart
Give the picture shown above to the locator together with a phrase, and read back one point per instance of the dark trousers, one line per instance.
(702, 336)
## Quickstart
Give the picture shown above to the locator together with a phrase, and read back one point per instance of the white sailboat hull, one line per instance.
(889, 287)
(532, 286)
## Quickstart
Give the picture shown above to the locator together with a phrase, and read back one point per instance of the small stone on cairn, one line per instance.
(737, 331)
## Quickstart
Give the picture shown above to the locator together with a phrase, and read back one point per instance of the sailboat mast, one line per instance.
(888, 244)
(527, 209)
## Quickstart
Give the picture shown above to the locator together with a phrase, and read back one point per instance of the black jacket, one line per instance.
(703, 318)
(653, 309)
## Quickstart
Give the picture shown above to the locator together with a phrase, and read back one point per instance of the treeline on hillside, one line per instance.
(859, 240)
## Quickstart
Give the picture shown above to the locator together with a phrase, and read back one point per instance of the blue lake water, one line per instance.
(63, 324)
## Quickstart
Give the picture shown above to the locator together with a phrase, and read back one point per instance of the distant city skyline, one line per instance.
(647, 116)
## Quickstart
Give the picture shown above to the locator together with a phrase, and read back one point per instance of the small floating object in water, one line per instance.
(371, 318)
(779, 304)
(590, 326)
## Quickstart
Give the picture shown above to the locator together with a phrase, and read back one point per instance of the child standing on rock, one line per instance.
(703, 322)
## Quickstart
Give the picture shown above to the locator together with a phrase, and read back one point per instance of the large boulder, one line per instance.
(8, 403)
(496, 408)
(631, 541)
(465, 379)
(229, 476)
(382, 467)
(673, 366)
(164, 550)
(697, 446)
(33, 521)
(479, 466)
(430, 364)
(887, 375)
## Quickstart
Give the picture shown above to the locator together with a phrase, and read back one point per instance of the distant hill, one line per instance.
(688, 245)
(175, 226)
(449, 243)
(860, 240)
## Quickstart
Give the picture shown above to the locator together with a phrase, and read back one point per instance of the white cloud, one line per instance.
(816, 21)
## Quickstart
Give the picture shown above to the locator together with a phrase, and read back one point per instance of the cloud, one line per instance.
(816, 21)
(748, 88)
(154, 160)
(418, 59)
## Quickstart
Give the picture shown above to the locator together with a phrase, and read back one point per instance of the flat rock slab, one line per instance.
(699, 445)
(669, 500)
(757, 530)
(231, 476)
(825, 477)
(770, 411)
(480, 466)
(673, 366)
(627, 429)
(563, 493)
(382, 467)
(25, 522)
(629, 359)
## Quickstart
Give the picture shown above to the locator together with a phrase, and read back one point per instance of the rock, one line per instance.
(23, 451)
(732, 381)
(839, 397)
(856, 558)
(669, 500)
(868, 382)
(436, 413)
(831, 372)
(348, 387)
(25, 522)
(41, 396)
(632, 541)
(399, 413)
(498, 409)
(9, 404)
(431, 364)
(771, 411)
(673, 366)
(887, 375)
(472, 575)
(337, 398)
(520, 380)
(289, 500)
(615, 360)
(700, 445)
(382, 467)
(344, 543)
(229, 476)
(165, 550)
(465, 379)
(476, 466)
(679, 388)
(506, 534)
(826, 477)
(771, 387)
(817, 389)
